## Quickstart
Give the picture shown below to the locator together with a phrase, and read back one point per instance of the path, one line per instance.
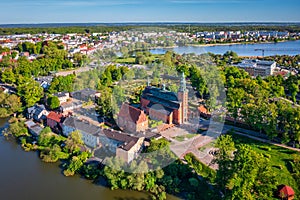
(267, 141)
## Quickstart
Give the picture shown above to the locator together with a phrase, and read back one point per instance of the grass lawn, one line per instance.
(185, 137)
(129, 60)
(279, 159)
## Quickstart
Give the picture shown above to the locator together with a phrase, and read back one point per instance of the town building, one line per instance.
(125, 147)
(132, 119)
(62, 96)
(33, 128)
(90, 133)
(54, 121)
(70, 105)
(37, 112)
(164, 105)
(258, 67)
(285, 192)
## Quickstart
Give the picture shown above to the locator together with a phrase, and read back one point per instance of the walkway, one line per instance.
(267, 141)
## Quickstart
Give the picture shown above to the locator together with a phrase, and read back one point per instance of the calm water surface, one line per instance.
(280, 48)
(24, 176)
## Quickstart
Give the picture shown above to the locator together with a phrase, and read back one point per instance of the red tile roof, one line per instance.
(132, 114)
(55, 116)
(286, 191)
(202, 109)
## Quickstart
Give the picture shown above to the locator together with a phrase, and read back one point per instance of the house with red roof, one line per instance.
(132, 119)
(286, 192)
(54, 121)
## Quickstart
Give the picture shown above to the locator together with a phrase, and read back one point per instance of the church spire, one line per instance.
(182, 87)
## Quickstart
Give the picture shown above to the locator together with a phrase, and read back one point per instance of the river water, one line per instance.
(24, 176)
(280, 48)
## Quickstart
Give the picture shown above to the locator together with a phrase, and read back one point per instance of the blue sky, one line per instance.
(53, 11)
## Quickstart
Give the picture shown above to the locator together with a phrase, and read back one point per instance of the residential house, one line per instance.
(132, 119)
(285, 192)
(33, 128)
(62, 96)
(54, 121)
(44, 82)
(37, 112)
(70, 105)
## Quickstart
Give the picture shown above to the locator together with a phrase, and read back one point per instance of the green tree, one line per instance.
(235, 97)
(252, 176)
(8, 76)
(74, 141)
(223, 158)
(53, 102)
(29, 91)
(9, 104)
(17, 128)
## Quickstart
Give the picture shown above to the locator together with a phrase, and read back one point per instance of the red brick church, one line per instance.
(159, 104)
(164, 105)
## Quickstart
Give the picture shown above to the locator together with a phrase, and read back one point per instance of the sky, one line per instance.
(108, 11)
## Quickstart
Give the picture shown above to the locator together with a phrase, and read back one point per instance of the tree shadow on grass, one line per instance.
(289, 164)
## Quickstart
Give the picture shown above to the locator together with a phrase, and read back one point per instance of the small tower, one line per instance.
(183, 97)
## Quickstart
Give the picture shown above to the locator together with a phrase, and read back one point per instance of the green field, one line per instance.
(280, 159)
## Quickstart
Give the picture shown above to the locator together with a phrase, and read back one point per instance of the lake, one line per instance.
(24, 176)
(280, 48)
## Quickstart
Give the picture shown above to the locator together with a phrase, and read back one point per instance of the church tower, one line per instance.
(183, 97)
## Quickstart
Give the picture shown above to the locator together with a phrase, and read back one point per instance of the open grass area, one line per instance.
(280, 159)
(185, 137)
(129, 60)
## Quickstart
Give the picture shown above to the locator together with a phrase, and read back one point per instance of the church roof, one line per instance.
(163, 94)
(167, 99)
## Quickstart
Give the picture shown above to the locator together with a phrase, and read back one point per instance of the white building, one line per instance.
(258, 67)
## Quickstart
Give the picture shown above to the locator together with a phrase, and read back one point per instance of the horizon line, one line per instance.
(152, 22)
